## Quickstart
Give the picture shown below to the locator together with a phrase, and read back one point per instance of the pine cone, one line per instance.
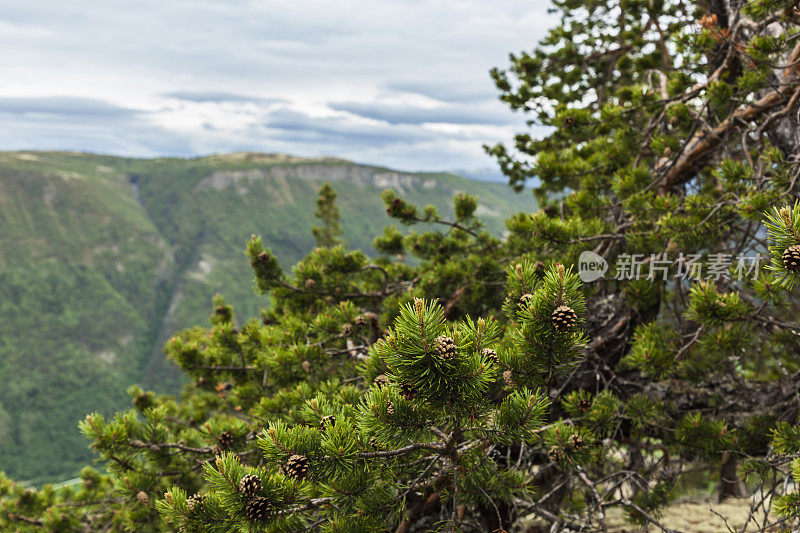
(525, 299)
(381, 381)
(329, 419)
(311, 284)
(296, 466)
(406, 391)
(143, 498)
(250, 485)
(390, 409)
(347, 330)
(563, 318)
(306, 366)
(490, 355)
(225, 440)
(258, 509)
(395, 207)
(556, 455)
(584, 405)
(576, 441)
(195, 503)
(361, 321)
(263, 258)
(791, 258)
(509, 379)
(444, 347)
(373, 443)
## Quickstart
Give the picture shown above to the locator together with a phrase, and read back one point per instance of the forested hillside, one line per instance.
(103, 258)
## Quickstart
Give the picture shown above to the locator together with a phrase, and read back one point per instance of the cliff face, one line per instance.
(103, 258)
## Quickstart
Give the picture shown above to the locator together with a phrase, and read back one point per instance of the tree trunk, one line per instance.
(729, 484)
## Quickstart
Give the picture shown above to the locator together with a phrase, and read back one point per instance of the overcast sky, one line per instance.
(402, 83)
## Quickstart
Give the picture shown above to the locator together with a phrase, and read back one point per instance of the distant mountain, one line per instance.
(491, 174)
(103, 258)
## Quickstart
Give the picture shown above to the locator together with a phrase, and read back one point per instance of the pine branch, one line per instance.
(155, 447)
(403, 451)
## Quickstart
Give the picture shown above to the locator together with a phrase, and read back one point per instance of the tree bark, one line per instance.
(730, 485)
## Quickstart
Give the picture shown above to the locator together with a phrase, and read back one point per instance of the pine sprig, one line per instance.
(783, 228)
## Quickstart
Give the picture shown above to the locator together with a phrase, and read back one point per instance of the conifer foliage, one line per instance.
(482, 385)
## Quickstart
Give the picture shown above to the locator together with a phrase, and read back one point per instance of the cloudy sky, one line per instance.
(402, 83)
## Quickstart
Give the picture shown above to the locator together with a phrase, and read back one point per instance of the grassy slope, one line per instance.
(94, 278)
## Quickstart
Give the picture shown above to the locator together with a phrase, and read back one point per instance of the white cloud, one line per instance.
(361, 79)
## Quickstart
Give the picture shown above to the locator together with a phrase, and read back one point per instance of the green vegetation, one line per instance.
(486, 385)
(103, 258)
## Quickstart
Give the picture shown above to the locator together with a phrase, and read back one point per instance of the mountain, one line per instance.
(102, 258)
(491, 174)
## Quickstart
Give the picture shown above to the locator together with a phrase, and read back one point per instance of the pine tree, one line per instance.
(329, 233)
(484, 383)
